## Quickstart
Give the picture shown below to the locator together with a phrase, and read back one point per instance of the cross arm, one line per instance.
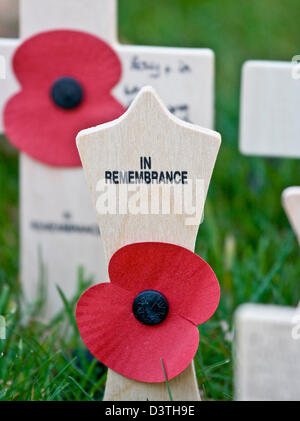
(180, 75)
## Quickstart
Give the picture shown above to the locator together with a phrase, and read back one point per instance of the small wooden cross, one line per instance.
(270, 123)
(183, 78)
(267, 353)
(148, 134)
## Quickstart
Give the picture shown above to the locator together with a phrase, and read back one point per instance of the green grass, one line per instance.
(245, 237)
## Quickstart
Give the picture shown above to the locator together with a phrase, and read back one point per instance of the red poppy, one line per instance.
(146, 318)
(66, 78)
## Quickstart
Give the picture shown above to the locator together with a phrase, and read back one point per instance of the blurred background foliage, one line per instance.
(245, 236)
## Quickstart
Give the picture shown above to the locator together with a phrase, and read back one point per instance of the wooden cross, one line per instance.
(169, 144)
(267, 353)
(57, 196)
(270, 123)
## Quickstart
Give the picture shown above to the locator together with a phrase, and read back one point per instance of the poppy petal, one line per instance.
(38, 128)
(186, 280)
(116, 338)
(44, 57)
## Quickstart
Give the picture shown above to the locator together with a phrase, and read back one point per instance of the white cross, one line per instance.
(58, 195)
(270, 123)
(267, 353)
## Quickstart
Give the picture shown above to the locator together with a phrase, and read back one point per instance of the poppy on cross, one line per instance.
(118, 145)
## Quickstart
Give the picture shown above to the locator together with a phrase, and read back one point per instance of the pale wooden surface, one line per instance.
(182, 387)
(183, 77)
(58, 229)
(270, 104)
(96, 16)
(148, 129)
(267, 353)
(291, 204)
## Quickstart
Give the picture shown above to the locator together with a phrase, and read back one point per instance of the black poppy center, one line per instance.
(67, 93)
(150, 307)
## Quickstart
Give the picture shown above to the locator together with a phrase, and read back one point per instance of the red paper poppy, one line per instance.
(137, 336)
(66, 78)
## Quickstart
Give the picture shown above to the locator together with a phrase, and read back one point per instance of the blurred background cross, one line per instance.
(270, 118)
